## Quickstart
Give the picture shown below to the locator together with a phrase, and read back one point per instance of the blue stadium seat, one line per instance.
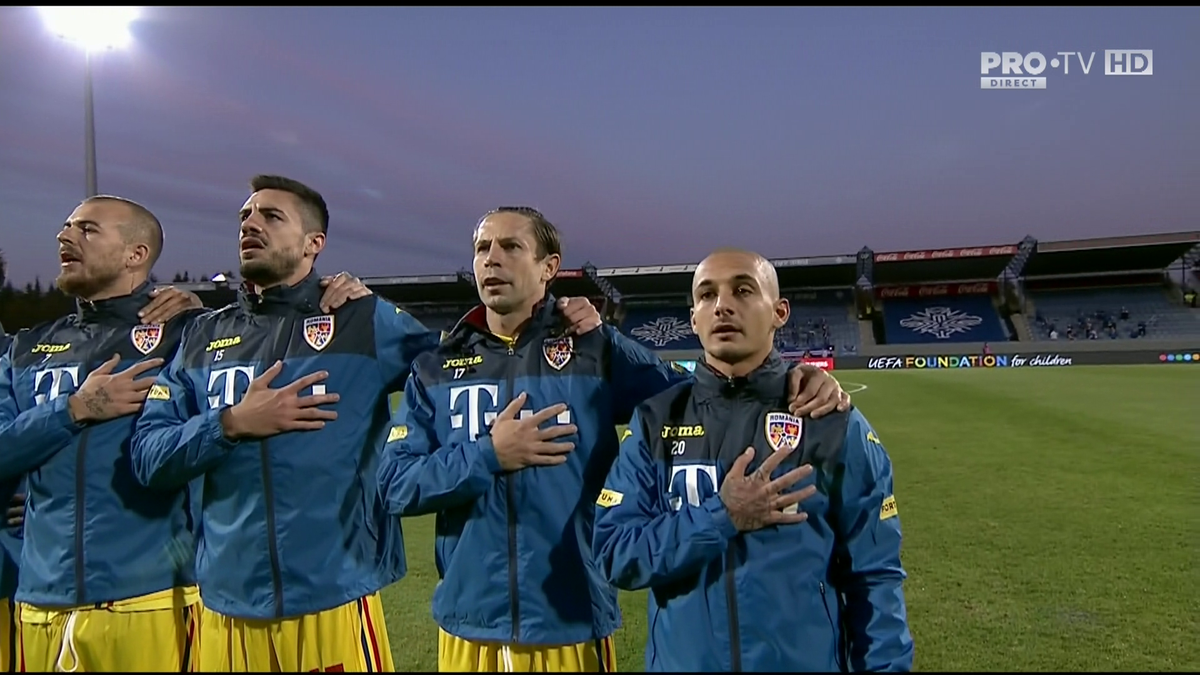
(660, 327)
(1130, 312)
(965, 318)
(819, 320)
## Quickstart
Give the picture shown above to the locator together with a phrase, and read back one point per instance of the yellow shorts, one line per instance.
(150, 633)
(351, 638)
(8, 636)
(463, 656)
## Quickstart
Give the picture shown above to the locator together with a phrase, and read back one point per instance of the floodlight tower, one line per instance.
(95, 29)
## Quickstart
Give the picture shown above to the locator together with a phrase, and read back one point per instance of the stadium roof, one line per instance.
(816, 272)
(1062, 258)
(1109, 254)
(950, 264)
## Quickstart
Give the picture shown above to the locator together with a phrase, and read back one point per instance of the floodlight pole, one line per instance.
(89, 127)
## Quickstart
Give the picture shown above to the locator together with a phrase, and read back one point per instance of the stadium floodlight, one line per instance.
(96, 29)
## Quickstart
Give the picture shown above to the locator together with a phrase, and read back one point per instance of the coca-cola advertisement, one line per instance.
(807, 358)
(936, 290)
(822, 363)
(946, 254)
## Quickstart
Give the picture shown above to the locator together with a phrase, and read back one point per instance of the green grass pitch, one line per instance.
(1050, 521)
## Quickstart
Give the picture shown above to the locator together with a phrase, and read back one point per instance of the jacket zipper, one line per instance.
(272, 544)
(80, 515)
(80, 512)
(269, 494)
(735, 636)
(838, 650)
(510, 493)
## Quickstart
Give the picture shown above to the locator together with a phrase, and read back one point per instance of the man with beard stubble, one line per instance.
(101, 584)
(295, 543)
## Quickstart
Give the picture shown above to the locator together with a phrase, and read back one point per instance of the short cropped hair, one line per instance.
(549, 241)
(316, 213)
(143, 226)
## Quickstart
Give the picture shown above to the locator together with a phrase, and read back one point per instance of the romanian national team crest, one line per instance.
(318, 331)
(783, 431)
(146, 338)
(558, 351)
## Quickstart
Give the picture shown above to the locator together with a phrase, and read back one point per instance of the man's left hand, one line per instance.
(168, 302)
(812, 391)
(341, 289)
(579, 314)
(14, 515)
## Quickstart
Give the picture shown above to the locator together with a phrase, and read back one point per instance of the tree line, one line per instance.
(37, 302)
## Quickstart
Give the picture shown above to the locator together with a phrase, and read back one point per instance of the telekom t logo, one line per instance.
(699, 482)
(480, 414)
(58, 378)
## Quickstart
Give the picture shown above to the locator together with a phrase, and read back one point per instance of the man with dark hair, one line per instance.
(107, 565)
(506, 432)
(710, 521)
(282, 409)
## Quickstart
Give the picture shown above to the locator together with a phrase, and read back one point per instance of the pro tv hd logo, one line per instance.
(1015, 70)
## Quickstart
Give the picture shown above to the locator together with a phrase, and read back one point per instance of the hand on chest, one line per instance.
(235, 355)
(59, 364)
(700, 453)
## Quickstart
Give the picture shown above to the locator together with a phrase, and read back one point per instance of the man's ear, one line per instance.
(783, 310)
(550, 267)
(315, 244)
(137, 255)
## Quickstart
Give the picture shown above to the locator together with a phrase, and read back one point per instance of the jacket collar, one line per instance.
(304, 297)
(122, 309)
(768, 382)
(472, 327)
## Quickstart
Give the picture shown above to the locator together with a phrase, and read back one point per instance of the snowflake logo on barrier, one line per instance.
(663, 330)
(941, 322)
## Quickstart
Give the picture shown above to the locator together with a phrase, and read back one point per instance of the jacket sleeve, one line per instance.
(399, 339)
(635, 374)
(175, 439)
(640, 542)
(867, 568)
(418, 475)
(28, 439)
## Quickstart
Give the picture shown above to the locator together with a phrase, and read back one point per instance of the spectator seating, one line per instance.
(1130, 312)
(819, 321)
(956, 319)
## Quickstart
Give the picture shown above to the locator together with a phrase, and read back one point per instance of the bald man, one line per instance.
(106, 564)
(710, 521)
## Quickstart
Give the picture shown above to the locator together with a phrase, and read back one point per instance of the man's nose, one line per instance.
(724, 304)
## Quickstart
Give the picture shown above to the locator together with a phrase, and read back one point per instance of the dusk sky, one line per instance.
(647, 135)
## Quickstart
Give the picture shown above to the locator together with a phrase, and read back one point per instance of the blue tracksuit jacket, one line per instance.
(92, 532)
(291, 524)
(821, 596)
(513, 549)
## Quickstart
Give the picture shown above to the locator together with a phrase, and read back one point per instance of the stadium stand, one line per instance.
(1111, 313)
(821, 323)
(881, 304)
(951, 319)
(660, 327)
